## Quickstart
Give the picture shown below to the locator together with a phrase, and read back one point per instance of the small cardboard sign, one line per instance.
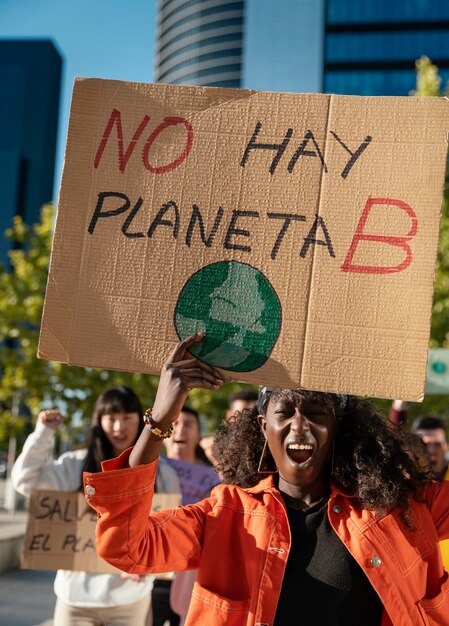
(61, 531)
(437, 379)
(297, 231)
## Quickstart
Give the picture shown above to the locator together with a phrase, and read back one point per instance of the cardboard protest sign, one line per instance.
(437, 379)
(297, 231)
(61, 531)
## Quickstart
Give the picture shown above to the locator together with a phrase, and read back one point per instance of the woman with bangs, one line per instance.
(326, 517)
(85, 599)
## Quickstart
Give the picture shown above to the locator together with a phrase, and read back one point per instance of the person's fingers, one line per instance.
(51, 418)
(51, 415)
(201, 382)
(196, 363)
(180, 348)
(199, 372)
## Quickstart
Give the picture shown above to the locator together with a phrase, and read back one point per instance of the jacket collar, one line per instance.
(267, 484)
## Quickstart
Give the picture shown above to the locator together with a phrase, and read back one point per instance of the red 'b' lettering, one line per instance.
(401, 242)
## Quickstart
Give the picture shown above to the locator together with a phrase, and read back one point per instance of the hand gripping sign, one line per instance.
(297, 231)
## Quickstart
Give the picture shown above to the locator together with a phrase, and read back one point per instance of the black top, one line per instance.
(323, 584)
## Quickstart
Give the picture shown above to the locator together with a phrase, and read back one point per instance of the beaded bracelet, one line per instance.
(154, 428)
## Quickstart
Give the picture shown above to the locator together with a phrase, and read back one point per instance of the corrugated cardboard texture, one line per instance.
(320, 218)
(61, 532)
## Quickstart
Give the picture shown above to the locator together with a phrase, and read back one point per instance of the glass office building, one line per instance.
(283, 45)
(361, 47)
(371, 46)
(30, 76)
(199, 42)
(274, 45)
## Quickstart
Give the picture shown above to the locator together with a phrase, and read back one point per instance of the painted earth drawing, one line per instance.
(236, 308)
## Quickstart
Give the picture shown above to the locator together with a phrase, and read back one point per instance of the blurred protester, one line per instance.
(85, 599)
(185, 455)
(238, 401)
(196, 479)
(432, 430)
(399, 412)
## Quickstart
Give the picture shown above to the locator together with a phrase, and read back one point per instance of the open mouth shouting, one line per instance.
(300, 452)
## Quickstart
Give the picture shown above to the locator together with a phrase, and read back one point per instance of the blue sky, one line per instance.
(116, 39)
(100, 38)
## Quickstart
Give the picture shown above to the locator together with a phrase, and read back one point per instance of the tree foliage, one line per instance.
(428, 83)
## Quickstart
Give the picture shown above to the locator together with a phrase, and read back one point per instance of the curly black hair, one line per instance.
(382, 466)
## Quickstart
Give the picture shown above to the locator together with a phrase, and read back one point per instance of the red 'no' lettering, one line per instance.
(115, 119)
(401, 242)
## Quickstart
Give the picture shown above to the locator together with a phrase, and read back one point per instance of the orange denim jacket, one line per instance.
(239, 540)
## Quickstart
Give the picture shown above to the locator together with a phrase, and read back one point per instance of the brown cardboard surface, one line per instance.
(61, 532)
(316, 260)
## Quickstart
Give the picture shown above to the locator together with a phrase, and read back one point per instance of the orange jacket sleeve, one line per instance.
(128, 536)
(437, 498)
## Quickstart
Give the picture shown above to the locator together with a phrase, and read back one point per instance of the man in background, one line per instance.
(432, 430)
(241, 399)
(237, 402)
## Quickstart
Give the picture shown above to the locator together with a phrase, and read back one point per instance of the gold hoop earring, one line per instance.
(259, 471)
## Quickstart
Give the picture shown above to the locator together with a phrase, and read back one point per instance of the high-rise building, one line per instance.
(30, 75)
(283, 45)
(273, 45)
(199, 42)
(371, 46)
(361, 47)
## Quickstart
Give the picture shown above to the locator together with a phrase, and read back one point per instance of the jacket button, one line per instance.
(90, 490)
(375, 561)
(336, 508)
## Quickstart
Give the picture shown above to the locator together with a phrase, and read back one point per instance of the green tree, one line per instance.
(428, 83)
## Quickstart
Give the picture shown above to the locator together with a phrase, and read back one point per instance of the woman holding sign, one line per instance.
(85, 599)
(327, 517)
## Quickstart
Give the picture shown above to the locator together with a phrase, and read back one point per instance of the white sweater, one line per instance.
(35, 469)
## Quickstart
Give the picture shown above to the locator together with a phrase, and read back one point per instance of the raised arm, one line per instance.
(128, 536)
(36, 469)
(180, 373)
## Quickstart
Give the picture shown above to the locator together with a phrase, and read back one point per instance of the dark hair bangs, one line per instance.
(117, 400)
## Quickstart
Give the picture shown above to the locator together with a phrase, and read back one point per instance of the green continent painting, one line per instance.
(238, 311)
